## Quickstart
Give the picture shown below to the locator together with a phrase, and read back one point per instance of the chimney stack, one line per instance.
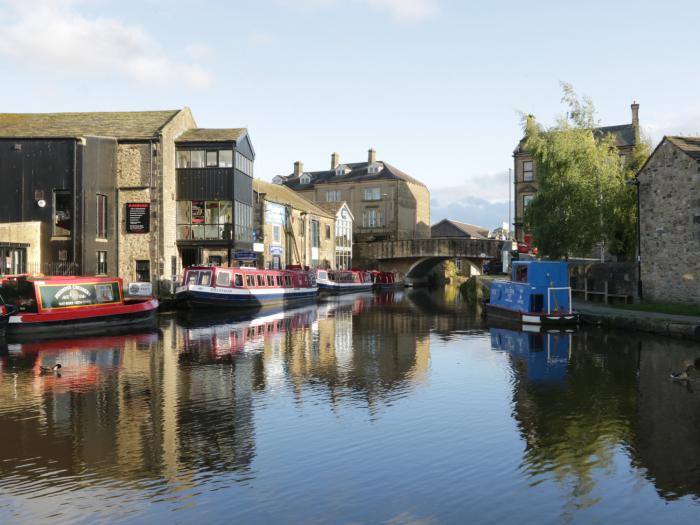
(372, 156)
(298, 168)
(635, 120)
(335, 160)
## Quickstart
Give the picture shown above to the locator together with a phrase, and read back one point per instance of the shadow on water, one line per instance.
(217, 400)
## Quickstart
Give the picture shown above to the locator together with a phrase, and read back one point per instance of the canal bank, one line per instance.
(476, 290)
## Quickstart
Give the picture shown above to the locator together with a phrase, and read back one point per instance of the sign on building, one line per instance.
(138, 217)
(241, 255)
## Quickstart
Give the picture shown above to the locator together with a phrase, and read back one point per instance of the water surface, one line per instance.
(393, 408)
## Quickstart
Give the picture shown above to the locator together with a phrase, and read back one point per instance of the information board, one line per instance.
(138, 217)
(83, 294)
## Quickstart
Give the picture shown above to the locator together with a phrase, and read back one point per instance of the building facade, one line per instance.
(525, 170)
(291, 229)
(386, 203)
(344, 225)
(97, 193)
(669, 211)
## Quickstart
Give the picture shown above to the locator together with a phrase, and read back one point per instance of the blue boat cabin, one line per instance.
(536, 286)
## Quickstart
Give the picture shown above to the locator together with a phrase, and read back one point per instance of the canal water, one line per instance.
(399, 408)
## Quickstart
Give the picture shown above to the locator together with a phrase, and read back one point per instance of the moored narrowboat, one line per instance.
(214, 286)
(5, 311)
(343, 281)
(59, 306)
(385, 280)
(538, 293)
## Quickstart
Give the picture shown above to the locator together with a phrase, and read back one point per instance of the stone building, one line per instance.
(97, 193)
(525, 171)
(387, 204)
(669, 201)
(344, 222)
(291, 229)
(451, 229)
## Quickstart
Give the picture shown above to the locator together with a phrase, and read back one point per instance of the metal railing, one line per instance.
(549, 296)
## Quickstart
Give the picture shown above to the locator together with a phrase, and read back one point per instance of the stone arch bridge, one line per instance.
(416, 258)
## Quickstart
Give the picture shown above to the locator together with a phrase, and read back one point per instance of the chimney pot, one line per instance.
(335, 160)
(635, 119)
(298, 168)
(372, 156)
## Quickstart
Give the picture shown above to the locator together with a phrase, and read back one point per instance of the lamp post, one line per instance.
(635, 182)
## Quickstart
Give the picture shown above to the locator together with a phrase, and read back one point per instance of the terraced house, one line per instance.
(134, 194)
(386, 203)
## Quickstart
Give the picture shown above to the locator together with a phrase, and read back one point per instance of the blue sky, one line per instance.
(435, 86)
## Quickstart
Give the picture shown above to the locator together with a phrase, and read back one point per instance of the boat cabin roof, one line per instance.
(541, 273)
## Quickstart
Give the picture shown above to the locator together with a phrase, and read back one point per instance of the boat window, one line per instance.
(205, 278)
(261, 280)
(238, 280)
(322, 275)
(521, 274)
(223, 279)
(287, 281)
(278, 280)
(104, 293)
(21, 294)
(250, 281)
(270, 280)
(191, 277)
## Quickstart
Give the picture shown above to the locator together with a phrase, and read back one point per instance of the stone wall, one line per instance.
(670, 226)
(34, 233)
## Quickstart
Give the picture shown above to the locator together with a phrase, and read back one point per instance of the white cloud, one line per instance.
(490, 187)
(405, 10)
(55, 34)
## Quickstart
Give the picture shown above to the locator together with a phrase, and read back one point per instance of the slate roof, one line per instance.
(334, 207)
(212, 135)
(358, 173)
(118, 124)
(283, 195)
(688, 145)
(471, 230)
(624, 135)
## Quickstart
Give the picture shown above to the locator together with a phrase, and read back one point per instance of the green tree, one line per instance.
(582, 198)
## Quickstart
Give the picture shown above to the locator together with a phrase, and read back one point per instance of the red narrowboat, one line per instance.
(343, 281)
(385, 280)
(60, 306)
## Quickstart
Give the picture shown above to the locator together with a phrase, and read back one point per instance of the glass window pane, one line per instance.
(212, 213)
(183, 159)
(212, 161)
(225, 158)
(197, 212)
(213, 231)
(197, 158)
(225, 212)
(197, 232)
(63, 213)
(183, 232)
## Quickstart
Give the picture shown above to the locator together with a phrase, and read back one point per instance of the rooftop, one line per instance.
(283, 195)
(358, 172)
(688, 145)
(118, 124)
(471, 230)
(212, 135)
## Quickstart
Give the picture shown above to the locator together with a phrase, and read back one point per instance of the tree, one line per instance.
(582, 198)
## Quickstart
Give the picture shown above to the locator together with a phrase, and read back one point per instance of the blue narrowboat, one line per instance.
(538, 293)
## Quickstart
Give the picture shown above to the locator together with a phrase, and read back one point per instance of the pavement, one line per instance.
(685, 326)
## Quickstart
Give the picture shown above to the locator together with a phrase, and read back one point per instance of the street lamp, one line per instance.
(635, 182)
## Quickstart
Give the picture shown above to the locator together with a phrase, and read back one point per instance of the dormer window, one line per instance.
(374, 168)
(341, 170)
(279, 179)
(305, 178)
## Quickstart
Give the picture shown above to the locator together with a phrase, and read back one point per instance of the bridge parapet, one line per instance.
(417, 248)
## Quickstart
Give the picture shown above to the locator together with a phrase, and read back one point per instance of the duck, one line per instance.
(46, 370)
(684, 375)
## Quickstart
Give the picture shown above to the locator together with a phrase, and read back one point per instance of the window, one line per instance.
(328, 231)
(372, 194)
(143, 271)
(315, 234)
(197, 158)
(372, 218)
(261, 280)
(101, 263)
(101, 216)
(527, 199)
(305, 179)
(527, 171)
(278, 280)
(333, 196)
(287, 281)
(62, 213)
(270, 280)
(215, 260)
(223, 278)
(225, 158)
(244, 222)
(250, 281)
(183, 158)
(212, 159)
(198, 220)
(276, 234)
(373, 169)
(244, 164)
(238, 280)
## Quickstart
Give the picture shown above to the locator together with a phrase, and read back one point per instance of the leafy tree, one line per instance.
(582, 199)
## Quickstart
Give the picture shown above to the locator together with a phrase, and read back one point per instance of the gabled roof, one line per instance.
(358, 173)
(212, 135)
(334, 207)
(623, 135)
(688, 145)
(471, 230)
(283, 195)
(118, 124)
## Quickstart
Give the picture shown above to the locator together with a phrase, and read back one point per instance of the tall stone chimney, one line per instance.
(335, 160)
(372, 156)
(298, 168)
(635, 121)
